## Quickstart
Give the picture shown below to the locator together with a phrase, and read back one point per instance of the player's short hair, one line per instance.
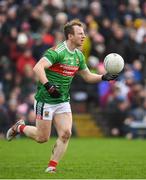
(68, 28)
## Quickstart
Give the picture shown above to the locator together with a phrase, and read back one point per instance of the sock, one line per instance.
(52, 164)
(21, 128)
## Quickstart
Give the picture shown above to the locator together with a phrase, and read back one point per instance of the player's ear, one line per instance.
(70, 36)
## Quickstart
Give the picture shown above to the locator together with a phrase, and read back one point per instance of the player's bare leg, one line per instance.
(63, 124)
(40, 133)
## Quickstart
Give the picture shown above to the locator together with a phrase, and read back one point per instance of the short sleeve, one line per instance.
(82, 63)
(51, 55)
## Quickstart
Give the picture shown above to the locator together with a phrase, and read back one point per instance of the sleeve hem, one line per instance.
(84, 68)
(47, 60)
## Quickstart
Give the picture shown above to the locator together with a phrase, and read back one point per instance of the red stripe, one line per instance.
(52, 163)
(64, 69)
(21, 128)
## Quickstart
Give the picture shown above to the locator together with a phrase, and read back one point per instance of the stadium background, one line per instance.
(29, 27)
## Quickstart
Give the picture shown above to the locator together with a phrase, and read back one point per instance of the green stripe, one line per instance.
(61, 49)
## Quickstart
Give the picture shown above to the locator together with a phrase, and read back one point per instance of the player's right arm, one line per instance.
(39, 70)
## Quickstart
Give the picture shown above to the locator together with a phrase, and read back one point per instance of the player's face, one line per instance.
(78, 36)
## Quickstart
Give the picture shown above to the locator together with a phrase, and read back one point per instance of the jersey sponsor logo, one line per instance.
(64, 69)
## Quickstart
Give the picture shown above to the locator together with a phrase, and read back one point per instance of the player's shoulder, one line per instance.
(58, 48)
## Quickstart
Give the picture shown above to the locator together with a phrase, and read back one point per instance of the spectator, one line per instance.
(136, 122)
(24, 60)
(35, 21)
(12, 111)
(116, 112)
(4, 118)
(142, 54)
(117, 43)
(27, 81)
(74, 12)
(131, 47)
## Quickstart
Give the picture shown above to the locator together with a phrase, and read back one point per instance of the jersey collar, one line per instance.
(72, 52)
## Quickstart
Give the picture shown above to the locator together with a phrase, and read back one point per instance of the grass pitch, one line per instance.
(85, 159)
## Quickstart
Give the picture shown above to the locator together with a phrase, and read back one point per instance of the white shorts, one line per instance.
(46, 111)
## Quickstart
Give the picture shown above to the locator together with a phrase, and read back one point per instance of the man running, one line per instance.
(55, 71)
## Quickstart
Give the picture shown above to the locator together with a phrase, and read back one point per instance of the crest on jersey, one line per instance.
(46, 113)
(77, 61)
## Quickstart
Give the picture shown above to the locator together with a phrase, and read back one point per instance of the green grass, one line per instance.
(85, 158)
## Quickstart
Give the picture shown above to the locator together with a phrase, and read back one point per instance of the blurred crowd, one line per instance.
(29, 27)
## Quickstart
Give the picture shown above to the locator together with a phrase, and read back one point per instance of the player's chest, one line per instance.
(70, 60)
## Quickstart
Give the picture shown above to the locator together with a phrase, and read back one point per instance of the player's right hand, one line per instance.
(52, 90)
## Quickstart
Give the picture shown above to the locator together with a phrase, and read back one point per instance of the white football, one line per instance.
(113, 63)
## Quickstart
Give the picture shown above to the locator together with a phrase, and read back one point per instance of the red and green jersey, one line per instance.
(65, 64)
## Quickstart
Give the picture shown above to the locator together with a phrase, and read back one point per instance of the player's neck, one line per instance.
(70, 45)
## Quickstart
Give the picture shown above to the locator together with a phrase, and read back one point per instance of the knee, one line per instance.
(42, 139)
(66, 135)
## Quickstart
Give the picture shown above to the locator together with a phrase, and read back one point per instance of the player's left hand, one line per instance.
(109, 77)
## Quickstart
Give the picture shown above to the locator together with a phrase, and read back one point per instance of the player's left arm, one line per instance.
(90, 77)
